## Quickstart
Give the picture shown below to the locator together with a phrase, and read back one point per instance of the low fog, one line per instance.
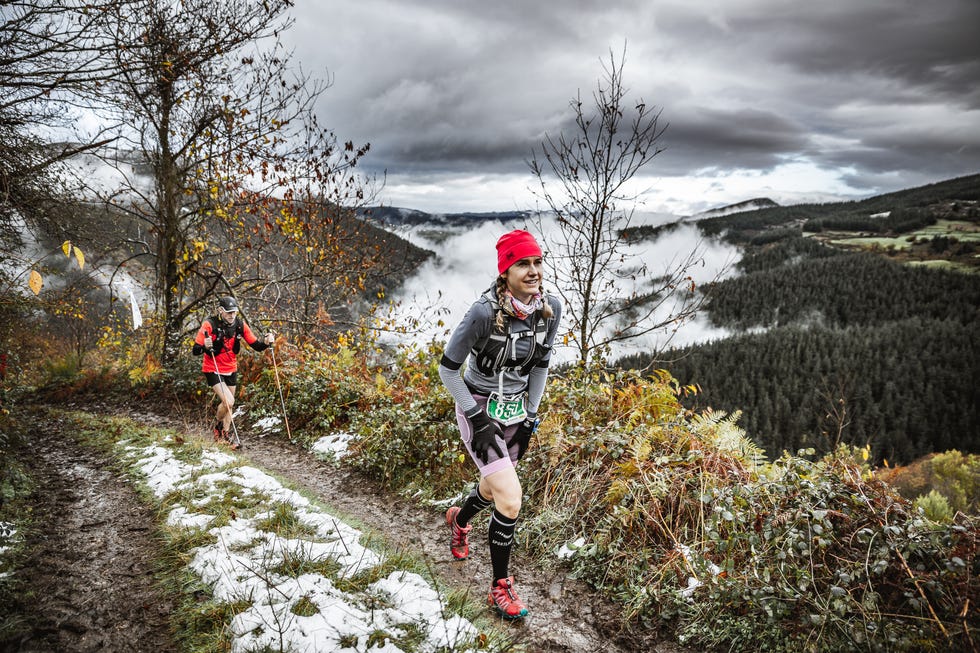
(464, 266)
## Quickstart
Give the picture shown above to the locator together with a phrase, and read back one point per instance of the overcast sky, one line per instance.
(795, 101)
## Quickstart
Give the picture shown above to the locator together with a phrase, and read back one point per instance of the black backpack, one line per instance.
(222, 331)
(491, 353)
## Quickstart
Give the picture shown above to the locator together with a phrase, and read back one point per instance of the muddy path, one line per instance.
(91, 569)
(89, 577)
(566, 616)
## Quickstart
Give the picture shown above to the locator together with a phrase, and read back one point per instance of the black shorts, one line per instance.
(229, 379)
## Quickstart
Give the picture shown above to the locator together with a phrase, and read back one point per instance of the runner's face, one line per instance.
(524, 277)
(227, 316)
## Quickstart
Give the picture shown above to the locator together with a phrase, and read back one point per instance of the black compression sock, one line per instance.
(501, 538)
(474, 503)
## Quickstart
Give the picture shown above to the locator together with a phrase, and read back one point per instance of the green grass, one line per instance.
(868, 242)
(943, 265)
(305, 607)
(16, 487)
(960, 230)
(284, 523)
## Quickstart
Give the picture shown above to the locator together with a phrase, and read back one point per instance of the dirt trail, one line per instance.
(566, 617)
(91, 563)
(90, 571)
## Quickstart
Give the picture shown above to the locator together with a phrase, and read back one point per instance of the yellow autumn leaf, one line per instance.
(34, 283)
(66, 247)
(80, 258)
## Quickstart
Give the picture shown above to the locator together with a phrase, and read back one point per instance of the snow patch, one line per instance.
(181, 518)
(246, 563)
(268, 425)
(333, 445)
(569, 549)
(694, 564)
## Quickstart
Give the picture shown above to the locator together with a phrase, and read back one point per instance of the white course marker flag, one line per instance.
(137, 316)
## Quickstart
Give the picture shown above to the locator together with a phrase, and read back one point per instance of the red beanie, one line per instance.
(514, 246)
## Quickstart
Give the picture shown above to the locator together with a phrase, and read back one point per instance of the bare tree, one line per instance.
(584, 178)
(206, 97)
(47, 52)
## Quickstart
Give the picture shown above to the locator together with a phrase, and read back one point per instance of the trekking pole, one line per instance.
(282, 401)
(238, 441)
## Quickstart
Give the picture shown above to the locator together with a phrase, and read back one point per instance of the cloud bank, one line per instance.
(865, 97)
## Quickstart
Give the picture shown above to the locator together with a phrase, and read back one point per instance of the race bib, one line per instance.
(506, 411)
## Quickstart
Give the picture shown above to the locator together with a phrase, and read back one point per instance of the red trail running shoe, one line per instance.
(459, 543)
(503, 597)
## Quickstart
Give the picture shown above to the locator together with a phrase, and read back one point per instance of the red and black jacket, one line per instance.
(225, 340)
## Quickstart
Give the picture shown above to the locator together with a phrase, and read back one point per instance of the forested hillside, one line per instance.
(837, 345)
(744, 226)
(906, 387)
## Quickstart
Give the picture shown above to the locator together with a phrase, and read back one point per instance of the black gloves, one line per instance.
(197, 350)
(523, 435)
(485, 432)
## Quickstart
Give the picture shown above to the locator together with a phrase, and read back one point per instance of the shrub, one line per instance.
(935, 507)
(679, 515)
(952, 474)
(688, 526)
(407, 432)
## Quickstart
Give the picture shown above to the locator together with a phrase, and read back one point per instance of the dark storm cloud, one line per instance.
(708, 138)
(930, 46)
(457, 154)
(920, 156)
(879, 90)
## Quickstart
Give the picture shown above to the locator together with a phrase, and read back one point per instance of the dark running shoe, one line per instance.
(504, 599)
(459, 543)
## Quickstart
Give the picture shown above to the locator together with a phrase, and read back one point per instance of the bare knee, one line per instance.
(226, 398)
(507, 500)
(504, 489)
(509, 506)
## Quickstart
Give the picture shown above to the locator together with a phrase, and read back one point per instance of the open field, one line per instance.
(917, 248)
(960, 230)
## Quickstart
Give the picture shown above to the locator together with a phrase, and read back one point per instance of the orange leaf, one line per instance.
(80, 258)
(34, 283)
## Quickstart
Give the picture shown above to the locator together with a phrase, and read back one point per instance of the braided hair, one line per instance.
(500, 286)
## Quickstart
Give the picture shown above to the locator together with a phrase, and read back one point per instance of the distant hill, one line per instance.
(115, 245)
(740, 207)
(652, 232)
(394, 217)
(742, 226)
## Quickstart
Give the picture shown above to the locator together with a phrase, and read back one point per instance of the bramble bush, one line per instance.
(324, 388)
(685, 522)
(947, 481)
(408, 438)
(402, 419)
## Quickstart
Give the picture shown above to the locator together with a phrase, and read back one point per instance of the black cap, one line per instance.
(228, 304)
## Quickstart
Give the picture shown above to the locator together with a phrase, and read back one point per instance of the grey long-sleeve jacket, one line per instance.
(476, 328)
